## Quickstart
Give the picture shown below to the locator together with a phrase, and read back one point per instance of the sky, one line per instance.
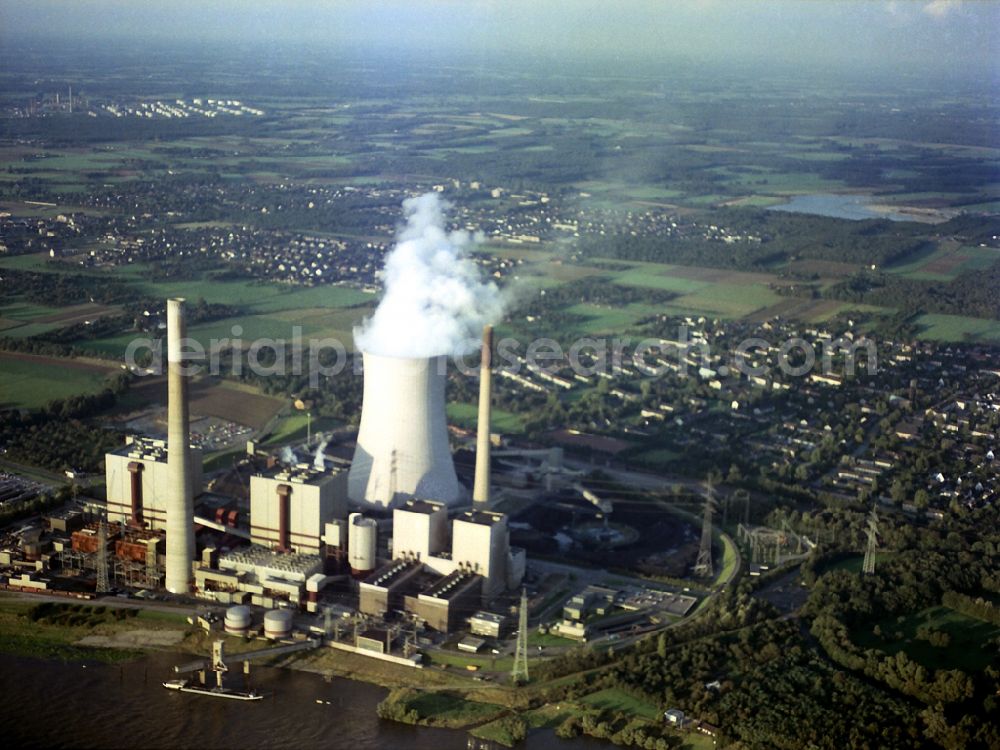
(916, 35)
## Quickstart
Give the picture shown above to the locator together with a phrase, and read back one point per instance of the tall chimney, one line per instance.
(481, 487)
(180, 500)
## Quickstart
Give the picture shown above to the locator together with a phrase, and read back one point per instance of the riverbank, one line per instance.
(439, 697)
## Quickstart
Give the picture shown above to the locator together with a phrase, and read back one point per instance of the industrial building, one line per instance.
(138, 483)
(447, 603)
(289, 507)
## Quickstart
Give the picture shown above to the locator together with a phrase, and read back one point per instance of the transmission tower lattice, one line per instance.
(703, 566)
(868, 567)
(519, 672)
(103, 585)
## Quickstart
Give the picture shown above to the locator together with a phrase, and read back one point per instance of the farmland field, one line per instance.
(225, 400)
(947, 261)
(958, 328)
(30, 382)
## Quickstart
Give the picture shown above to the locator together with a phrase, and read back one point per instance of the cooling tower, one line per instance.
(180, 497)
(481, 486)
(402, 449)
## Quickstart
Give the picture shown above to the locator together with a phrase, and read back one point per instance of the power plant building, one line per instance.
(138, 485)
(289, 508)
(419, 530)
(481, 544)
(448, 602)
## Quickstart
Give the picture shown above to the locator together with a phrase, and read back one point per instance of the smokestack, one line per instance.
(180, 500)
(402, 449)
(481, 487)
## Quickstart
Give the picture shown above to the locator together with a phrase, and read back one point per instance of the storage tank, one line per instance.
(238, 620)
(403, 448)
(361, 540)
(278, 624)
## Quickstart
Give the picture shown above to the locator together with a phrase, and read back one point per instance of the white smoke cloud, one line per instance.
(319, 459)
(435, 301)
(288, 456)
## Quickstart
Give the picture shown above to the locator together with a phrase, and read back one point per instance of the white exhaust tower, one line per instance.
(403, 449)
(180, 494)
(481, 486)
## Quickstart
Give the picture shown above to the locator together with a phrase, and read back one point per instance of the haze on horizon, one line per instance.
(947, 37)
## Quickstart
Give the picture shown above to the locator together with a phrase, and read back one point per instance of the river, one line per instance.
(48, 704)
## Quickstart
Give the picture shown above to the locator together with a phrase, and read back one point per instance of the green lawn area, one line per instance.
(548, 639)
(312, 323)
(727, 300)
(935, 327)
(257, 298)
(618, 700)
(28, 384)
(728, 559)
(295, 427)
(969, 648)
(450, 710)
(28, 262)
(655, 276)
(501, 421)
(461, 661)
(609, 320)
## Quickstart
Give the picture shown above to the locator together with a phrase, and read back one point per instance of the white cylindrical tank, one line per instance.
(403, 449)
(278, 624)
(362, 538)
(237, 620)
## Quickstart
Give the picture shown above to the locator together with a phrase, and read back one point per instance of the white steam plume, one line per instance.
(435, 301)
(319, 459)
(288, 456)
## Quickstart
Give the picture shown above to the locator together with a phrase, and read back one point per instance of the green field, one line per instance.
(945, 263)
(935, 327)
(31, 384)
(726, 300)
(969, 649)
(602, 319)
(655, 276)
(294, 427)
(614, 699)
(465, 415)
(548, 639)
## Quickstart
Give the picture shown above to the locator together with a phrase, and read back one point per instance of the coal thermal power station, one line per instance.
(403, 450)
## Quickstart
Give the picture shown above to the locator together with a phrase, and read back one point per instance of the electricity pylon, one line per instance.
(868, 567)
(703, 567)
(103, 585)
(519, 672)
